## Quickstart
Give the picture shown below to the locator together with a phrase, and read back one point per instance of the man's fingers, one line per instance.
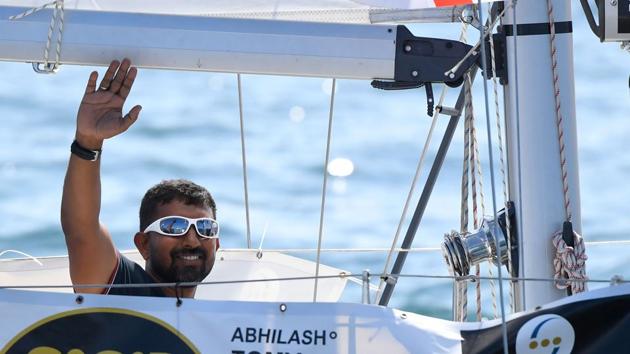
(109, 74)
(126, 86)
(91, 84)
(120, 75)
(131, 117)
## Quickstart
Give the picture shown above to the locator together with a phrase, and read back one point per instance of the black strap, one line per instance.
(533, 29)
(84, 153)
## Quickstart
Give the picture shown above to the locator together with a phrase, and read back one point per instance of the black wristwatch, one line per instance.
(84, 153)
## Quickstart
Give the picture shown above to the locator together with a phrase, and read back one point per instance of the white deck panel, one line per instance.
(229, 266)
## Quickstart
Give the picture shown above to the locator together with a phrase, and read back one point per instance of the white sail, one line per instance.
(339, 11)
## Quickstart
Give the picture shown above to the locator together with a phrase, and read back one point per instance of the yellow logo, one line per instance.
(100, 331)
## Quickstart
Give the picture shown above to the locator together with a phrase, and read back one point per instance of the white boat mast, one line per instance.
(533, 150)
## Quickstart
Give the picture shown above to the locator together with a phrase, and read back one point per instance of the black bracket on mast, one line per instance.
(421, 61)
(500, 57)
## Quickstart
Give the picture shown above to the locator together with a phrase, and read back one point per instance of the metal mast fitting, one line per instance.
(421, 61)
(614, 19)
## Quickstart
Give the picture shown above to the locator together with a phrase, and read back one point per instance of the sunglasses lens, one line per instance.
(207, 227)
(174, 226)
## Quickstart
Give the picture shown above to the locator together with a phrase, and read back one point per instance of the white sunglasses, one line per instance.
(179, 226)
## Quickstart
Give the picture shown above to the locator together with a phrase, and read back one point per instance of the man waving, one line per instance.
(178, 233)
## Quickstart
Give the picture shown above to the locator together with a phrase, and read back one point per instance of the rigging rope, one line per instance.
(33, 258)
(244, 159)
(259, 253)
(519, 184)
(503, 175)
(462, 301)
(323, 204)
(616, 280)
(56, 21)
(460, 293)
(568, 261)
(477, 187)
(482, 35)
(472, 150)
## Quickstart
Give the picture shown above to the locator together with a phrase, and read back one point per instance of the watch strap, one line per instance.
(84, 153)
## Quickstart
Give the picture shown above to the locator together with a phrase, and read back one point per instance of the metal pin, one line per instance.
(365, 298)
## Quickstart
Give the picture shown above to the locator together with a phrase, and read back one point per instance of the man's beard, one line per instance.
(176, 272)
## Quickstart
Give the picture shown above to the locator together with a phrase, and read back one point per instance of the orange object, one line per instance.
(440, 3)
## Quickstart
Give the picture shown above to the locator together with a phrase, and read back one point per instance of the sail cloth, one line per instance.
(335, 11)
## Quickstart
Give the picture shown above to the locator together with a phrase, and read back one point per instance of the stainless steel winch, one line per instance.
(463, 251)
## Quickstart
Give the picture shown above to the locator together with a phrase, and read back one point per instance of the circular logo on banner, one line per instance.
(99, 330)
(550, 333)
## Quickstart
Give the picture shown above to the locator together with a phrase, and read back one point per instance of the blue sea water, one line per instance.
(189, 128)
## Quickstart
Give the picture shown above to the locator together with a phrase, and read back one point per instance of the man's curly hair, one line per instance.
(166, 191)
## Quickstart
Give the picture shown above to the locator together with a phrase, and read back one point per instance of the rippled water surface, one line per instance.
(189, 128)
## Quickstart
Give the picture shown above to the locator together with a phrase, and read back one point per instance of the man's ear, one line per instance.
(142, 244)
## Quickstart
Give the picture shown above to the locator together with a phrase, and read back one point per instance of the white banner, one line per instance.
(36, 322)
(47, 323)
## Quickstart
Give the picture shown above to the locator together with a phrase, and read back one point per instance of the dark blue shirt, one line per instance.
(130, 272)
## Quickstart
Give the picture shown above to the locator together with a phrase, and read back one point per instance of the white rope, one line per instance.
(465, 167)
(323, 204)
(462, 290)
(34, 259)
(461, 297)
(244, 159)
(503, 176)
(475, 166)
(491, 165)
(615, 279)
(334, 250)
(259, 253)
(612, 242)
(568, 261)
(519, 166)
(558, 111)
(57, 20)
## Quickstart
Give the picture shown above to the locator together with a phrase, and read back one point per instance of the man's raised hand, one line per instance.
(100, 114)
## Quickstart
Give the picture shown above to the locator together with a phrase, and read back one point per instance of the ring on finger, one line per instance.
(104, 87)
